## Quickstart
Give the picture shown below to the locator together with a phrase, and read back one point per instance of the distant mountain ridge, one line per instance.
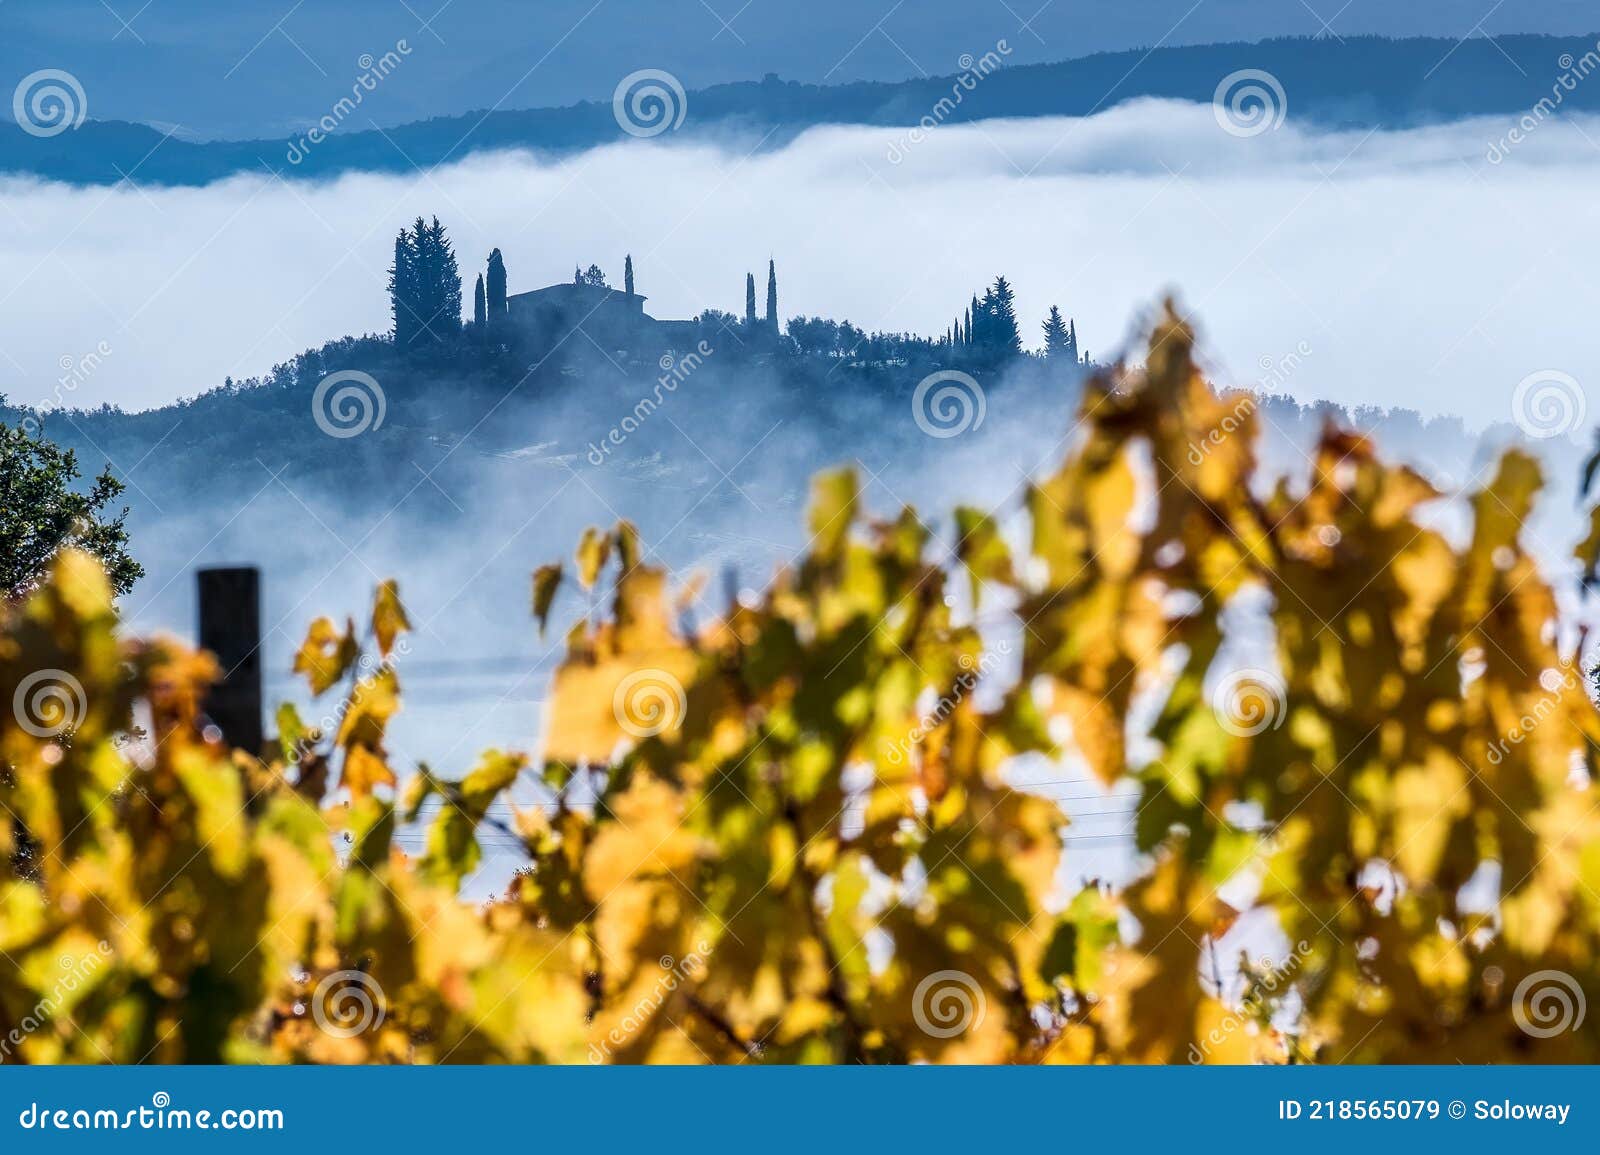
(1356, 82)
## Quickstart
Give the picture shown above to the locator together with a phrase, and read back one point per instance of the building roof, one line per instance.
(568, 289)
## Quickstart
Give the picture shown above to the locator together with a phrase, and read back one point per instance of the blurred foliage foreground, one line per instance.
(789, 835)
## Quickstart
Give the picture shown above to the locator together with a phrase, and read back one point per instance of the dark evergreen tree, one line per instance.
(403, 290)
(442, 302)
(425, 286)
(480, 311)
(1004, 337)
(593, 275)
(627, 275)
(982, 327)
(495, 288)
(749, 300)
(772, 296)
(1057, 344)
(1072, 342)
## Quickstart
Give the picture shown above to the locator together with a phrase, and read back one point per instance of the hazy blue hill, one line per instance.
(1366, 81)
(258, 68)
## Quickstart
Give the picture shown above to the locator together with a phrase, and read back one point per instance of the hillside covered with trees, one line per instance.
(1356, 81)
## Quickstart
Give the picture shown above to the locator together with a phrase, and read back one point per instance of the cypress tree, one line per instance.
(627, 275)
(750, 300)
(1072, 341)
(495, 288)
(772, 295)
(982, 329)
(480, 311)
(402, 290)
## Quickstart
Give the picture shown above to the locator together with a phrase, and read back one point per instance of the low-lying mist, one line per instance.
(1417, 271)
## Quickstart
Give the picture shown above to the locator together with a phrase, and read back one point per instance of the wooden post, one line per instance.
(230, 627)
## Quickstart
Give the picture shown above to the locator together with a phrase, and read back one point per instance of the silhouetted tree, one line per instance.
(772, 296)
(592, 276)
(627, 275)
(995, 335)
(750, 300)
(403, 290)
(1072, 342)
(495, 288)
(425, 286)
(480, 311)
(1056, 340)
